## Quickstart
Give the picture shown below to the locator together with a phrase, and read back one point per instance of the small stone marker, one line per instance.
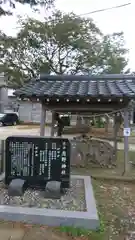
(53, 190)
(16, 187)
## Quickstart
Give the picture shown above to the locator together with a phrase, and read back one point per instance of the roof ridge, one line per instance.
(47, 77)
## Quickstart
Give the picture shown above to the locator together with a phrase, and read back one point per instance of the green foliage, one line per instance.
(63, 44)
(99, 123)
(113, 52)
(32, 3)
(81, 232)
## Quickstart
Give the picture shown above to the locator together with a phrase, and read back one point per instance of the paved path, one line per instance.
(17, 130)
(9, 131)
(19, 231)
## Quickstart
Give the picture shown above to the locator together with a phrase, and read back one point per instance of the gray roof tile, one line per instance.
(81, 86)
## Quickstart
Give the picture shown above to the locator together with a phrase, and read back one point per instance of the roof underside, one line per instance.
(103, 86)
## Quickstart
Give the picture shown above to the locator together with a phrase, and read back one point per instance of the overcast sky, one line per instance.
(121, 19)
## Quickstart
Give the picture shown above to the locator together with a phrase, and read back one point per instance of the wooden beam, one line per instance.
(85, 108)
(106, 123)
(43, 119)
(53, 122)
(126, 145)
(115, 135)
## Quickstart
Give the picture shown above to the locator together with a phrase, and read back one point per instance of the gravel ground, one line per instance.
(73, 200)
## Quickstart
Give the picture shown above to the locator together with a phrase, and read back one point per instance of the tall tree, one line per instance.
(12, 4)
(64, 43)
(114, 53)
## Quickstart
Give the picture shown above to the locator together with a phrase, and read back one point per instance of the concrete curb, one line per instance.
(113, 178)
(50, 217)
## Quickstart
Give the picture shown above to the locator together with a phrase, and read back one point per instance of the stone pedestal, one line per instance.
(16, 187)
(53, 190)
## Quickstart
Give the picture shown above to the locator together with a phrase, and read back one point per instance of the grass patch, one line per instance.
(81, 233)
(84, 234)
(116, 203)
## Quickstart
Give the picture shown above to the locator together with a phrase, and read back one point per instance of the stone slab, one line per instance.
(88, 219)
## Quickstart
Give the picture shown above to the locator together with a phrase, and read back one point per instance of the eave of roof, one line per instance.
(71, 87)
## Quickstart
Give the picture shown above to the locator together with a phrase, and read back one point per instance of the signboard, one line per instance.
(38, 160)
(126, 132)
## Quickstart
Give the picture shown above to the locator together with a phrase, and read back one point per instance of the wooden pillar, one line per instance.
(43, 119)
(126, 145)
(115, 135)
(79, 121)
(53, 122)
(85, 121)
(106, 124)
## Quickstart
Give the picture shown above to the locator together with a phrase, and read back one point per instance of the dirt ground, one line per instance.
(19, 231)
(115, 204)
(116, 207)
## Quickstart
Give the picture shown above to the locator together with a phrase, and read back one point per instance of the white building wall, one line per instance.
(28, 111)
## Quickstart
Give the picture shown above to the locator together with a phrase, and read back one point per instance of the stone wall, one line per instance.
(86, 151)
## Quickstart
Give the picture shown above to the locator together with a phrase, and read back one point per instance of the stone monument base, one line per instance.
(86, 218)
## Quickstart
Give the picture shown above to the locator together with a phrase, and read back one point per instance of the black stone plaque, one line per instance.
(38, 160)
